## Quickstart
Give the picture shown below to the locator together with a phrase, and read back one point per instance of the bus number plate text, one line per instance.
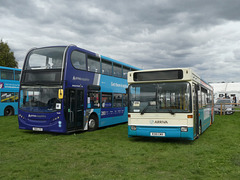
(157, 134)
(37, 129)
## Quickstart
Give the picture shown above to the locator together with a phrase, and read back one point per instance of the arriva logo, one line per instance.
(158, 122)
(151, 121)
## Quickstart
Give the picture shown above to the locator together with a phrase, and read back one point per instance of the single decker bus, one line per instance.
(9, 89)
(66, 89)
(169, 103)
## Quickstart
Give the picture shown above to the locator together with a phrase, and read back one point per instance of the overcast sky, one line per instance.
(201, 34)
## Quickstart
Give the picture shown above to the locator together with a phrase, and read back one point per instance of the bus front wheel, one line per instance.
(92, 123)
(8, 111)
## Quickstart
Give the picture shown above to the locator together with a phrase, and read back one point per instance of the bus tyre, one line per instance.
(8, 111)
(92, 123)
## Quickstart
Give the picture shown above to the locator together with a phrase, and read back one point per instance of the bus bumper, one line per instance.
(53, 127)
(161, 132)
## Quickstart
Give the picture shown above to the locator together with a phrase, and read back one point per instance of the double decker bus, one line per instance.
(169, 103)
(9, 88)
(66, 89)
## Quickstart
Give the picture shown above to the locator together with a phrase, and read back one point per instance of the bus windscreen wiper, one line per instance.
(143, 111)
(150, 103)
(171, 112)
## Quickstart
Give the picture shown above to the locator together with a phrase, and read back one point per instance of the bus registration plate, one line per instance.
(37, 129)
(157, 134)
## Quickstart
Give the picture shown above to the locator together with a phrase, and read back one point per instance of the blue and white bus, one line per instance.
(9, 88)
(169, 103)
(66, 89)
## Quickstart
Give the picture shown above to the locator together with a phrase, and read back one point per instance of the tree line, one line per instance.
(7, 58)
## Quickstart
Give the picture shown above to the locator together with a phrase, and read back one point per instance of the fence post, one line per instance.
(221, 110)
(224, 109)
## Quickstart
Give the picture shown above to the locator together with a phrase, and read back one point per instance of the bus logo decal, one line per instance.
(1, 85)
(75, 78)
(158, 122)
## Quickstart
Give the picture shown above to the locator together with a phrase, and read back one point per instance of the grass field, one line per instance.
(109, 154)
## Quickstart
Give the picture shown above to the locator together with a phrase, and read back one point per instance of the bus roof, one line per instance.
(9, 68)
(118, 62)
(95, 54)
(107, 58)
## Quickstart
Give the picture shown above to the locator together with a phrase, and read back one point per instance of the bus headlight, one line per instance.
(134, 128)
(184, 129)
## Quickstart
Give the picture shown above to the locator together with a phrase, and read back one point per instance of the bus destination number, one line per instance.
(157, 134)
(37, 129)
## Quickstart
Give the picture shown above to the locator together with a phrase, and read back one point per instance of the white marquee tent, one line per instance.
(231, 90)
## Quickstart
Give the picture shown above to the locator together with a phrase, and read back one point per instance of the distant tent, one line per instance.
(227, 90)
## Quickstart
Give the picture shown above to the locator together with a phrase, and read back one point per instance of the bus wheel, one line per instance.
(92, 123)
(8, 111)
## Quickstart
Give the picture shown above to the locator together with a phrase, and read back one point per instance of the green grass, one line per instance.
(109, 154)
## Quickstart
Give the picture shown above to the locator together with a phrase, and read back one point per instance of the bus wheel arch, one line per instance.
(8, 111)
(93, 122)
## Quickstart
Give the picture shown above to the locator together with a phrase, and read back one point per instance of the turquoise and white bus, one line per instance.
(9, 87)
(169, 103)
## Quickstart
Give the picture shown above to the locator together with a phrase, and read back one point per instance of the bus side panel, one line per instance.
(111, 116)
(14, 105)
(113, 84)
(9, 90)
(205, 118)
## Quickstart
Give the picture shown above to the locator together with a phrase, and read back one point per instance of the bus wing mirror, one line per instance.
(60, 94)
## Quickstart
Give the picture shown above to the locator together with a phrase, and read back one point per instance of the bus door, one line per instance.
(75, 109)
(195, 109)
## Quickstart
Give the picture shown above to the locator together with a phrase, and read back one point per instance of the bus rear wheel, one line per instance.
(8, 111)
(92, 123)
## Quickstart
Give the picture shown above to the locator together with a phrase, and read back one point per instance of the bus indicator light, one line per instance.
(60, 94)
(189, 116)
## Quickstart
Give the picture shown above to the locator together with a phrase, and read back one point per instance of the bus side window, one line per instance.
(16, 96)
(117, 100)
(78, 60)
(106, 68)
(93, 100)
(7, 74)
(125, 100)
(106, 100)
(94, 64)
(125, 72)
(117, 70)
(7, 97)
(199, 99)
(204, 97)
(17, 75)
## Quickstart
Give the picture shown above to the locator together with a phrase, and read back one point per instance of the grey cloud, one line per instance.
(149, 34)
